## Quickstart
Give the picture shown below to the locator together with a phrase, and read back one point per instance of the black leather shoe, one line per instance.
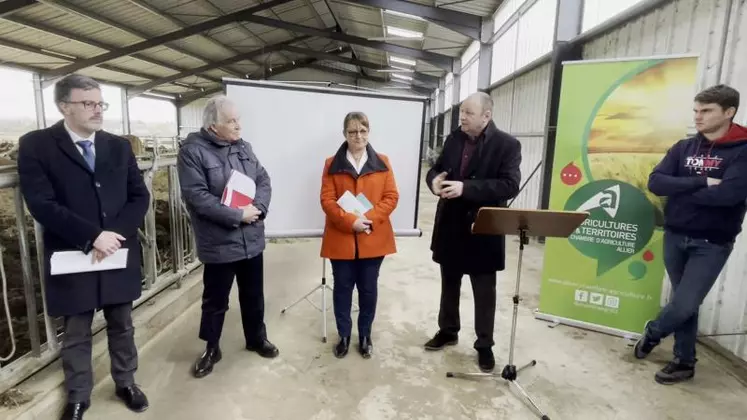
(74, 411)
(485, 360)
(133, 398)
(341, 349)
(204, 365)
(441, 340)
(365, 347)
(264, 349)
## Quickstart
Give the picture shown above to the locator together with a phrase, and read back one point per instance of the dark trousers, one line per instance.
(217, 280)
(483, 289)
(693, 266)
(76, 351)
(347, 274)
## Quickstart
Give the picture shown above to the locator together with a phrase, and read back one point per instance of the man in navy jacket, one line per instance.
(84, 187)
(705, 181)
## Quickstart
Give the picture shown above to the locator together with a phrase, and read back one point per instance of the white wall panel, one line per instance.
(532, 151)
(716, 30)
(725, 308)
(508, 8)
(734, 71)
(468, 80)
(530, 38)
(504, 54)
(190, 117)
(449, 90)
(502, 105)
(520, 108)
(536, 32)
(679, 27)
(447, 123)
(598, 11)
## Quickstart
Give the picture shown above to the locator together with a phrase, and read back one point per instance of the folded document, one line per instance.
(357, 205)
(69, 262)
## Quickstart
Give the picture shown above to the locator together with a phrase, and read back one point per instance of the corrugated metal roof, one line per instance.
(91, 28)
(476, 7)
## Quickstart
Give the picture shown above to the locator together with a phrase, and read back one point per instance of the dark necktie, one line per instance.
(88, 153)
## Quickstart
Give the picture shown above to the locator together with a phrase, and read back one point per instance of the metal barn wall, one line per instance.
(679, 27)
(520, 108)
(717, 31)
(190, 117)
(527, 39)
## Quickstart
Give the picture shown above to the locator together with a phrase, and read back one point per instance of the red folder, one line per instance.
(239, 190)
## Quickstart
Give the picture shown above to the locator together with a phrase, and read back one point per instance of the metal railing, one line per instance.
(157, 277)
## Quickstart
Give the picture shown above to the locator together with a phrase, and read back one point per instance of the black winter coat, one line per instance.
(491, 179)
(74, 205)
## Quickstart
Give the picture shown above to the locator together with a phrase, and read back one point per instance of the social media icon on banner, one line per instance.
(582, 296)
(612, 302)
(596, 299)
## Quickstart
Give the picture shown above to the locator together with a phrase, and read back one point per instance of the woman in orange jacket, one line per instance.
(357, 243)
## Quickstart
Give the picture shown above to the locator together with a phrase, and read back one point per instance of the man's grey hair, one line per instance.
(66, 85)
(486, 101)
(212, 112)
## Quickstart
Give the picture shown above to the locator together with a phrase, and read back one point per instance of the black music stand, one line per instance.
(523, 223)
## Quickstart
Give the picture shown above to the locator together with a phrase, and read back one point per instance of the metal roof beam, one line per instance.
(444, 62)
(60, 56)
(162, 39)
(264, 50)
(417, 89)
(10, 6)
(432, 81)
(269, 71)
(284, 68)
(88, 14)
(145, 6)
(184, 100)
(460, 22)
(75, 37)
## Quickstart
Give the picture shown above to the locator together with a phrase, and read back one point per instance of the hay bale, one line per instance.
(136, 143)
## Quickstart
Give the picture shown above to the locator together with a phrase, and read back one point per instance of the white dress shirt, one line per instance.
(76, 138)
(358, 165)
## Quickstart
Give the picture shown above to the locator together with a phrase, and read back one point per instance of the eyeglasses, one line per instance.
(89, 105)
(352, 133)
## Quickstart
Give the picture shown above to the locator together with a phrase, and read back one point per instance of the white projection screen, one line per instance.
(293, 128)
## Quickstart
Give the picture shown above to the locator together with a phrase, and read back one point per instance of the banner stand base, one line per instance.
(586, 325)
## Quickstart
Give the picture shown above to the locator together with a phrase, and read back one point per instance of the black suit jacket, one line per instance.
(74, 205)
(491, 179)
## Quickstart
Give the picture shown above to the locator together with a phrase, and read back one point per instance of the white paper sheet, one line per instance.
(68, 262)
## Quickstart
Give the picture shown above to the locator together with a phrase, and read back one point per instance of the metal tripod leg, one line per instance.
(324, 287)
(464, 375)
(302, 298)
(527, 398)
(510, 371)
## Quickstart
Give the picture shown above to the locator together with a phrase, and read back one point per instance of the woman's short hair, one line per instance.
(355, 116)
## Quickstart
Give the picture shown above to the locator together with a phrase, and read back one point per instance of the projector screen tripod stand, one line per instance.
(323, 286)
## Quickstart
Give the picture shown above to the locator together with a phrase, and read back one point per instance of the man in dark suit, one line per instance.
(478, 167)
(84, 187)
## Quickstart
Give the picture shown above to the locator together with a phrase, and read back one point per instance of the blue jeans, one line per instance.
(347, 274)
(693, 266)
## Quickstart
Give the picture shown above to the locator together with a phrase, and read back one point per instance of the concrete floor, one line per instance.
(579, 374)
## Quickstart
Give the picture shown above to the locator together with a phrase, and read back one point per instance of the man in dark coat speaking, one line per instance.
(478, 167)
(84, 188)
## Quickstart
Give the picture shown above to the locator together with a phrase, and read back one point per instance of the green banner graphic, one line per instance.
(616, 120)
